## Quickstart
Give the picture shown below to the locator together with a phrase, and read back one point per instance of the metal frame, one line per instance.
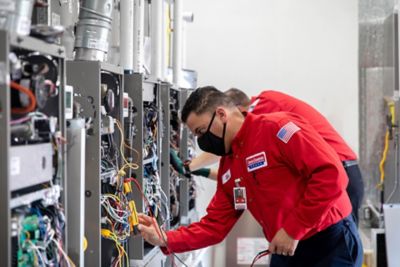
(141, 90)
(85, 77)
(5, 194)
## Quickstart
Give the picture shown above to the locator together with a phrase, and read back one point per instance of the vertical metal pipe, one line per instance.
(127, 26)
(164, 40)
(138, 36)
(177, 48)
(156, 38)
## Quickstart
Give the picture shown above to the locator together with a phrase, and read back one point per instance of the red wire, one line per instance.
(32, 99)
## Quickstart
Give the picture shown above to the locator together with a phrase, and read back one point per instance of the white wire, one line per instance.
(66, 258)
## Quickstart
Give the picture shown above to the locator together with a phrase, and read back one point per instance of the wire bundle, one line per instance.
(40, 239)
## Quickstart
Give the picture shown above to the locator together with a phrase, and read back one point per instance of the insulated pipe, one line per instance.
(164, 40)
(138, 36)
(177, 48)
(157, 25)
(94, 26)
(187, 17)
(127, 26)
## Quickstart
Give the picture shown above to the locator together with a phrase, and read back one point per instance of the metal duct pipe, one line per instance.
(138, 36)
(94, 26)
(15, 16)
(127, 26)
(157, 25)
(177, 49)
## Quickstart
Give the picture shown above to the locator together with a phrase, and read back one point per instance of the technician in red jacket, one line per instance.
(293, 181)
(273, 101)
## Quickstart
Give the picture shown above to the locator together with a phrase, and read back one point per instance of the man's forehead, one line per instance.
(198, 120)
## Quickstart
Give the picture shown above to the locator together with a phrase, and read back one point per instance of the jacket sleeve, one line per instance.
(309, 155)
(210, 230)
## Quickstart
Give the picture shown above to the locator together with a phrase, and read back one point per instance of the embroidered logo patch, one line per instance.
(253, 105)
(226, 176)
(256, 161)
(287, 131)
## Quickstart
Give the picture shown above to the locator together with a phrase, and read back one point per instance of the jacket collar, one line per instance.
(244, 132)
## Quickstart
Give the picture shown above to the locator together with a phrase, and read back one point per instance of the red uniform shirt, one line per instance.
(293, 179)
(273, 101)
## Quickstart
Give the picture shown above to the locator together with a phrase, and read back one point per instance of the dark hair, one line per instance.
(204, 99)
(239, 98)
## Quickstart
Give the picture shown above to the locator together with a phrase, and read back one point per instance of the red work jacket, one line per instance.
(293, 178)
(273, 101)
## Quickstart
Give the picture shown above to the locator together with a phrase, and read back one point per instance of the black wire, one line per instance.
(259, 256)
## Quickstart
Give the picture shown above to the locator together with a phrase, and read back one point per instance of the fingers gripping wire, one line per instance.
(158, 228)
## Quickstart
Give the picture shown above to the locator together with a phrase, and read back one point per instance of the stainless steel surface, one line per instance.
(76, 136)
(30, 165)
(15, 16)
(93, 30)
(5, 244)
(392, 221)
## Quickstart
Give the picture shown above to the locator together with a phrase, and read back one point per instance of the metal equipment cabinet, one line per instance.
(54, 107)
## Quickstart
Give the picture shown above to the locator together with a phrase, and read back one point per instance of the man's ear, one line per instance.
(222, 113)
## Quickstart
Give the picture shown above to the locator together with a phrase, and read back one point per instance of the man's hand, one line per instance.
(150, 231)
(178, 164)
(283, 244)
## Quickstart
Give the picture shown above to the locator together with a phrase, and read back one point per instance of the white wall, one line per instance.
(307, 48)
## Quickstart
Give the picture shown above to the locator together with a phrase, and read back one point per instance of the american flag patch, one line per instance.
(287, 131)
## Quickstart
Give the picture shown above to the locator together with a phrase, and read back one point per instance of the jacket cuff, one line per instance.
(168, 250)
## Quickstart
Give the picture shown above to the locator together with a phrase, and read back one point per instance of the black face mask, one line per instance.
(211, 143)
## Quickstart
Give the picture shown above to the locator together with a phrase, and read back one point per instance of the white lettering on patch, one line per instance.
(256, 161)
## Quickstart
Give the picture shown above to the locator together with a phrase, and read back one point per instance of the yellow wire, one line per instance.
(134, 166)
(386, 146)
(383, 160)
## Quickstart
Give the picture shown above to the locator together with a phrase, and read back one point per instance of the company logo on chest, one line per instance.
(256, 161)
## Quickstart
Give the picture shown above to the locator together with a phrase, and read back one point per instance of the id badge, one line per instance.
(240, 199)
